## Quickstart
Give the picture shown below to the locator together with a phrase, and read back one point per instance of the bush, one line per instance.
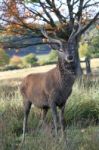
(50, 59)
(30, 60)
(46, 62)
(4, 57)
(11, 67)
(81, 106)
(53, 56)
(84, 50)
(16, 61)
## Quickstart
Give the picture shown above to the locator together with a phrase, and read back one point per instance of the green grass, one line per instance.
(44, 56)
(81, 114)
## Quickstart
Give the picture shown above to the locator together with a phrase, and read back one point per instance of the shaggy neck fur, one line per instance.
(67, 71)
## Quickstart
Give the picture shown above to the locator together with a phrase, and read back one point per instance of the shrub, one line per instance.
(42, 62)
(15, 61)
(84, 50)
(4, 57)
(81, 106)
(11, 67)
(46, 62)
(30, 60)
(53, 56)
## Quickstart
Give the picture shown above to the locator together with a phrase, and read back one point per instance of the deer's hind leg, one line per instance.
(27, 106)
(43, 116)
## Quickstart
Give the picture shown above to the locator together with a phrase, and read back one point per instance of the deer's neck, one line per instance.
(67, 70)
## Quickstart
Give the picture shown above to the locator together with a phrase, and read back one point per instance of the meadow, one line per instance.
(81, 115)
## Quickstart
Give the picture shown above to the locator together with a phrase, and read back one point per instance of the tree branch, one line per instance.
(21, 45)
(80, 9)
(89, 24)
(89, 5)
(60, 17)
(48, 14)
(70, 8)
(37, 13)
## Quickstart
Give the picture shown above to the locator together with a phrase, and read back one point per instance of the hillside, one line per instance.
(42, 49)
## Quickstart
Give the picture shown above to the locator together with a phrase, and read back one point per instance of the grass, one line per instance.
(81, 114)
(23, 72)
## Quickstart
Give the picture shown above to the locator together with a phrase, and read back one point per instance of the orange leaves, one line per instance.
(15, 60)
(97, 26)
(11, 8)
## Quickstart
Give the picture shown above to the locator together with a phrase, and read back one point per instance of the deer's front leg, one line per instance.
(55, 117)
(62, 120)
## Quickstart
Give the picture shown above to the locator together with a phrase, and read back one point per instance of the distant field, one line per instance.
(94, 63)
(23, 72)
(81, 115)
(40, 57)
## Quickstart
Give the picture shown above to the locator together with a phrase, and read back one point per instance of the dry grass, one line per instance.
(82, 106)
(23, 72)
(94, 63)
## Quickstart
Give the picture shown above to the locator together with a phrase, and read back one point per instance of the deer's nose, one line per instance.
(70, 58)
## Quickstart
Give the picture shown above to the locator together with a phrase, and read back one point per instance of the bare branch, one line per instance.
(70, 8)
(75, 2)
(13, 45)
(50, 39)
(37, 13)
(48, 15)
(57, 12)
(71, 35)
(86, 5)
(89, 24)
(80, 9)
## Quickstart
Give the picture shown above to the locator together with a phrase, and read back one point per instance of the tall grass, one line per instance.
(81, 114)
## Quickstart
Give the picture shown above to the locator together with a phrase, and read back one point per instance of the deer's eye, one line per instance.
(55, 46)
(61, 50)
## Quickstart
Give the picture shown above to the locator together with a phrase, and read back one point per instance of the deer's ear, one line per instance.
(54, 46)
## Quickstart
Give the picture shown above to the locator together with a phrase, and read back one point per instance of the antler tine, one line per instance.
(50, 39)
(71, 35)
(44, 33)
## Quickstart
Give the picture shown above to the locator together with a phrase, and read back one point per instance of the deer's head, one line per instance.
(66, 50)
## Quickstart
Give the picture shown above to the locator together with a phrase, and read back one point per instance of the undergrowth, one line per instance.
(81, 114)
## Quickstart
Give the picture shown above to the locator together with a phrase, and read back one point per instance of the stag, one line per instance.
(51, 89)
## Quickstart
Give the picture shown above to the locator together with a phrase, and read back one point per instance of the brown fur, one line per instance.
(50, 89)
(37, 88)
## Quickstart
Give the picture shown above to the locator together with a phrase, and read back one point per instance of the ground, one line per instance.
(81, 114)
(23, 72)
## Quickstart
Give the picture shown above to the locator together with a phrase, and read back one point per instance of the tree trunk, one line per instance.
(79, 69)
(88, 68)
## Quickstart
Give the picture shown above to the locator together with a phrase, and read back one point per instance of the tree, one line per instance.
(84, 50)
(89, 44)
(4, 58)
(62, 19)
(94, 47)
(30, 59)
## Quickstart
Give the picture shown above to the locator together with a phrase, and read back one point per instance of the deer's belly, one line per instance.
(40, 100)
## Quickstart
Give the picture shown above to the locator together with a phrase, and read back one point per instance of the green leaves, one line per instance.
(4, 58)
